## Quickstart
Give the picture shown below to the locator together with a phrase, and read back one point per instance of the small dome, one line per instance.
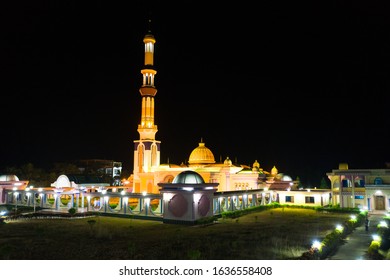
(188, 177)
(256, 164)
(286, 178)
(4, 178)
(201, 155)
(228, 162)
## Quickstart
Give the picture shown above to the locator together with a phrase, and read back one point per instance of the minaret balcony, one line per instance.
(148, 91)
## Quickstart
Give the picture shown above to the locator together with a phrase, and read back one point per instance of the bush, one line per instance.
(72, 211)
(373, 251)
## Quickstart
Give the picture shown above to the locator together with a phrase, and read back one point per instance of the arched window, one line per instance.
(140, 158)
(154, 155)
(378, 181)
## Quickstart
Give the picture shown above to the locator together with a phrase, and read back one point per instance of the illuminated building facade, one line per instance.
(364, 188)
(10, 184)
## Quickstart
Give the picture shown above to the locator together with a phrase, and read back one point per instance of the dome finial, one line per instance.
(149, 25)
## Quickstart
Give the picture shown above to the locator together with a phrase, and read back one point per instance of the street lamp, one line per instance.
(40, 190)
(16, 199)
(32, 195)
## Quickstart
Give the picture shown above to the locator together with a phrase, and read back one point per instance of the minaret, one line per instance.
(146, 149)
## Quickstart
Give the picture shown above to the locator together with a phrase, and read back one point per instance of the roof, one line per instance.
(85, 179)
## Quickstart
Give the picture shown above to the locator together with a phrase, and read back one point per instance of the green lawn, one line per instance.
(274, 234)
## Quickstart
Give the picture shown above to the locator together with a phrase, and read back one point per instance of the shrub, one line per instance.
(72, 211)
(373, 251)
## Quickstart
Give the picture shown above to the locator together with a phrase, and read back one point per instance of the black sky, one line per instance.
(303, 86)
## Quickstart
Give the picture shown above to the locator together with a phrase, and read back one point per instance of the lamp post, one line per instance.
(16, 200)
(33, 196)
(40, 196)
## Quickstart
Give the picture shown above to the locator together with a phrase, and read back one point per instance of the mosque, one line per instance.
(152, 179)
(148, 172)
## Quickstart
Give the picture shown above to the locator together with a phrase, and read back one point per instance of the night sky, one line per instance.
(302, 86)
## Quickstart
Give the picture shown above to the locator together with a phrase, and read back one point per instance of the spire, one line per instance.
(149, 26)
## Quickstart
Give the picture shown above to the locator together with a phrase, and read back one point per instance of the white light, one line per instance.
(197, 197)
(376, 237)
(2, 213)
(123, 192)
(104, 191)
(188, 188)
(316, 245)
(383, 224)
(167, 196)
(339, 228)
(144, 193)
(40, 189)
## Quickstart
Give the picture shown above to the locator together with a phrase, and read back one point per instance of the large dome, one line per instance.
(201, 155)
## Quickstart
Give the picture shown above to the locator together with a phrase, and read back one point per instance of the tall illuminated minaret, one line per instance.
(146, 149)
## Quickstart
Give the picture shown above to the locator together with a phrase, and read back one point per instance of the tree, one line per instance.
(299, 183)
(324, 183)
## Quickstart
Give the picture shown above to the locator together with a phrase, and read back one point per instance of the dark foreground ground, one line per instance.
(275, 234)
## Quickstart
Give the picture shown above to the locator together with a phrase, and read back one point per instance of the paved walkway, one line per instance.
(357, 242)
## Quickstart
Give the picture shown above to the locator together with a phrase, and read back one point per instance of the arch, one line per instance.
(168, 178)
(154, 155)
(140, 151)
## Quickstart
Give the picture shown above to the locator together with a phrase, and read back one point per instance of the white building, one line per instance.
(363, 188)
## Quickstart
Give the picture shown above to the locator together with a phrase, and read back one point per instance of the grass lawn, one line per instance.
(276, 234)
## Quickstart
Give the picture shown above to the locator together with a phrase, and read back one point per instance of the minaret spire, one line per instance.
(147, 129)
(149, 26)
(147, 149)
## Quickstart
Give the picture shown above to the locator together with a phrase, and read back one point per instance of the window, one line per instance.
(359, 196)
(290, 198)
(309, 199)
(345, 183)
(378, 181)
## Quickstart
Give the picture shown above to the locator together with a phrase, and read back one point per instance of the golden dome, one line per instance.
(274, 171)
(228, 162)
(201, 155)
